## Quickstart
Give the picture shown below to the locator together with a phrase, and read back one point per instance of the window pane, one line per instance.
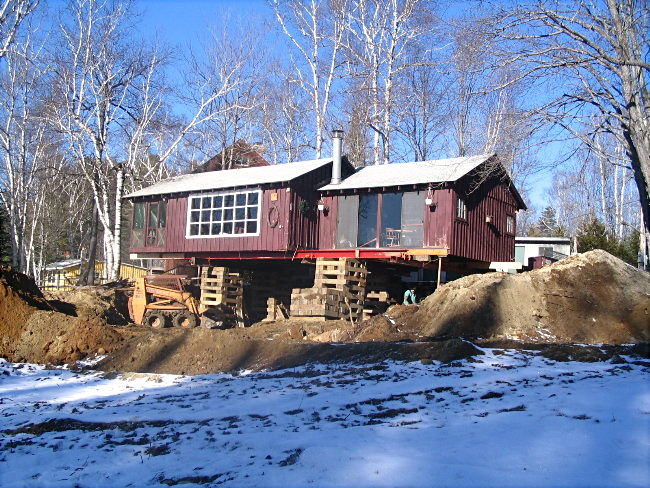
(367, 221)
(162, 214)
(252, 198)
(216, 229)
(216, 215)
(240, 213)
(251, 213)
(241, 199)
(206, 202)
(251, 227)
(227, 214)
(227, 228)
(194, 230)
(138, 216)
(228, 200)
(391, 219)
(195, 216)
(153, 215)
(205, 216)
(217, 202)
(196, 203)
(347, 221)
(461, 209)
(412, 219)
(205, 229)
(239, 227)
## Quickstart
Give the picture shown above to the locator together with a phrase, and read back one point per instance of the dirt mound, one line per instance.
(108, 303)
(33, 330)
(590, 298)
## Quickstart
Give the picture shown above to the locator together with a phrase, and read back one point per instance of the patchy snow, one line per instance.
(508, 418)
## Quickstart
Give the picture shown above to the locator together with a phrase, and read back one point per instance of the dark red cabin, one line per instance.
(461, 208)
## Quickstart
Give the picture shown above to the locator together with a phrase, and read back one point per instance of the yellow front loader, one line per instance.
(161, 300)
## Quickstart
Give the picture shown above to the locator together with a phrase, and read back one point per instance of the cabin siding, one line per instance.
(303, 228)
(269, 238)
(327, 223)
(437, 219)
(475, 238)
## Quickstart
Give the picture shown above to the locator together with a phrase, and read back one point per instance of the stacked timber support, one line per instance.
(222, 294)
(338, 291)
(377, 294)
(275, 310)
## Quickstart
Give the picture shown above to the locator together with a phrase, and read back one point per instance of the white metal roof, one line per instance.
(214, 180)
(68, 263)
(396, 174)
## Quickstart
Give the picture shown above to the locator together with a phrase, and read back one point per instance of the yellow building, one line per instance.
(64, 275)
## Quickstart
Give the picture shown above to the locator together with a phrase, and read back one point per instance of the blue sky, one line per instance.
(184, 21)
(181, 23)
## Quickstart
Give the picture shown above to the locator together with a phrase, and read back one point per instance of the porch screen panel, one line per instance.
(347, 222)
(391, 220)
(412, 234)
(367, 221)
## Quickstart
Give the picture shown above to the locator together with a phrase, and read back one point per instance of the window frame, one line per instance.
(461, 207)
(153, 224)
(222, 209)
(511, 219)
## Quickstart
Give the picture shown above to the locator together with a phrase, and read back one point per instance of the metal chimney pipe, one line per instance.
(337, 143)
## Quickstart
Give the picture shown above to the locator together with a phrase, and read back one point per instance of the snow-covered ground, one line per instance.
(510, 418)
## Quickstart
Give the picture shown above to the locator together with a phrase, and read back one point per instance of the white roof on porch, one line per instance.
(232, 178)
(419, 172)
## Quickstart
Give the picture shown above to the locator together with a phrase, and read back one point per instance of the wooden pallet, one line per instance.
(222, 292)
(338, 291)
(339, 273)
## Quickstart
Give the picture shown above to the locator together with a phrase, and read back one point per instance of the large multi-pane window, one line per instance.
(224, 214)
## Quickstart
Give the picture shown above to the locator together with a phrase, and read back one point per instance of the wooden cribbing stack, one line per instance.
(222, 295)
(377, 295)
(338, 291)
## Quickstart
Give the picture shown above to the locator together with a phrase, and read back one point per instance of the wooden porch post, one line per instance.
(439, 272)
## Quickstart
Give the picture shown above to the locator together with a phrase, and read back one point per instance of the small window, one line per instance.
(461, 209)
(510, 224)
(138, 216)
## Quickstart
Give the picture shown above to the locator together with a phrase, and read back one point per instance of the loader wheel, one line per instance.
(156, 320)
(186, 320)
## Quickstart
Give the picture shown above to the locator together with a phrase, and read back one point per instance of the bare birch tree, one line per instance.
(12, 14)
(109, 104)
(25, 147)
(600, 50)
(316, 32)
(382, 34)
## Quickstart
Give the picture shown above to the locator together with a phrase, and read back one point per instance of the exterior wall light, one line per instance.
(428, 200)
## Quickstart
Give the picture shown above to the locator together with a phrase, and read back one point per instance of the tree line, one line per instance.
(92, 106)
